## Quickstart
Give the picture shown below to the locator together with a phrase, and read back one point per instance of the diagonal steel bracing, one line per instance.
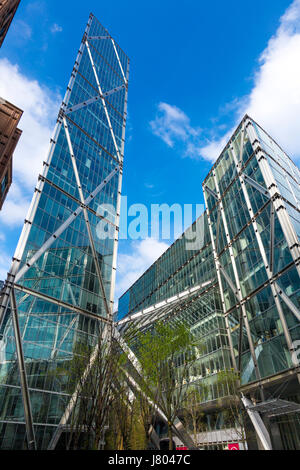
(177, 427)
(256, 185)
(288, 302)
(97, 38)
(237, 291)
(60, 303)
(13, 279)
(211, 192)
(86, 218)
(101, 97)
(229, 282)
(118, 58)
(38, 190)
(218, 228)
(268, 263)
(269, 268)
(272, 236)
(118, 207)
(242, 145)
(96, 98)
(65, 225)
(70, 196)
(103, 103)
(68, 329)
(278, 201)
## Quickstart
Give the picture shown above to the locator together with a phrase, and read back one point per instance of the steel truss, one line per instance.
(164, 306)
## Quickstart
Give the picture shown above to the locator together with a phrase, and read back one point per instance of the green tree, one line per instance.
(166, 355)
(192, 409)
(91, 374)
(126, 427)
(234, 412)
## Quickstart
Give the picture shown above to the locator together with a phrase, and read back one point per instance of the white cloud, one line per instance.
(20, 31)
(40, 107)
(274, 101)
(55, 28)
(5, 261)
(15, 208)
(131, 266)
(212, 150)
(172, 125)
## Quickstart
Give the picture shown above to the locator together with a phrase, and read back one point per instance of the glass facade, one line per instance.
(258, 250)
(178, 268)
(62, 277)
(249, 318)
(187, 278)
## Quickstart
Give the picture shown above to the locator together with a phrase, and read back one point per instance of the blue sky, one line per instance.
(196, 68)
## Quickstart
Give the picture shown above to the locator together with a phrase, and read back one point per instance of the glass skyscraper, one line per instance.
(239, 291)
(60, 287)
(252, 196)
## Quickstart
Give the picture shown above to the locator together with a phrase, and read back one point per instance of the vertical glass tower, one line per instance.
(61, 283)
(252, 196)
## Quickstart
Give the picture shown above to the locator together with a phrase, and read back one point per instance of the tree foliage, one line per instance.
(166, 355)
(103, 406)
(234, 413)
(192, 408)
(92, 373)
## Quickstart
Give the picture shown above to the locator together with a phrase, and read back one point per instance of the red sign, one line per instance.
(235, 446)
(181, 448)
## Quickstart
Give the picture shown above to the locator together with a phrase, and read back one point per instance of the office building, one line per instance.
(60, 287)
(10, 116)
(239, 291)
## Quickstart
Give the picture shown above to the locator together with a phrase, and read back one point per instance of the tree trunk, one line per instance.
(195, 431)
(170, 434)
